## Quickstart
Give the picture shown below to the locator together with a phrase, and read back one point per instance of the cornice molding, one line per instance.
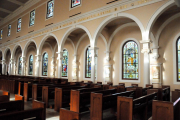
(66, 23)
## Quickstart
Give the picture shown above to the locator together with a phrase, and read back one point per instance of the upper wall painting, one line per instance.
(75, 3)
(50, 9)
(19, 25)
(32, 18)
(9, 30)
(1, 34)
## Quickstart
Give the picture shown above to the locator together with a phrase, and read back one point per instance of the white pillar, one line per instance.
(75, 68)
(3, 66)
(23, 65)
(94, 55)
(60, 57)
(38, 63)
(107, 68)
(53, 67)
(12, 67)
(146, 50)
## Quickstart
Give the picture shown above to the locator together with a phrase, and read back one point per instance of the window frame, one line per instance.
(17, 24)
(8, 35)
(30, 17)
(177, 73)
(86, 60)
(71, 7)
(1, 34)
(19, 65)
(47, 9)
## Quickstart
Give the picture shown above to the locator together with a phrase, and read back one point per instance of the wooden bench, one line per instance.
(163, 110)
(175, 95)
(127, 107)
(37, 113)
(5, 96)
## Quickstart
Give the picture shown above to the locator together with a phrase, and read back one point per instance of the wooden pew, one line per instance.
(127, 107)
(119, 88)
(163, 110)
(100, 102)
(175, 95)
(5, 96)
(38, 111)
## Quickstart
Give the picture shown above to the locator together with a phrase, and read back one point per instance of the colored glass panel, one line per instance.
(75, 3)
(50, 9)
(20, 65)
(65, 63)
(130, 60)
(178, 55)
(45, 64)
(32, 18)
(88, 63)
(19, 25)
(31, 65)
(9, 30)
(1, 34)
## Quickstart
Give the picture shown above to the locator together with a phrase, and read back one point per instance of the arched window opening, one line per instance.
(88, 63)
(130, 61)
(178, 59)
(65, 63)
(20, 65)
(45, 64)
(31, 65)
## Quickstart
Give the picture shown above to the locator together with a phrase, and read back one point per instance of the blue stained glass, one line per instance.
(65, 63)
(20, 65)
(9, 30)
(75, 3)
(19, 25)
(130, 60)
(178, 61)
(88, 63)
(31, 65)
(32, 18)
(1, 34)
(45, 64)
(50, 9)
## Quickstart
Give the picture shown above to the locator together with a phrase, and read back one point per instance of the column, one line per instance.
(60, 57)
(75, 68)
(23, 65)
(155, 52)
(107, 68)
(12, 67)
(146, 51)
(53, 67)
(3, 66)
(38, 63)
(94, 51)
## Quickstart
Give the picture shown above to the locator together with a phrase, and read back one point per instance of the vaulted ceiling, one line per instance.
(9, 6)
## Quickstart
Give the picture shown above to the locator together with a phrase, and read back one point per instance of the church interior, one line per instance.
(90, 60)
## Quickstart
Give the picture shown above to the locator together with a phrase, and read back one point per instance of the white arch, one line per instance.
(26, 46)
(111, 18)
(43, 41)
(164, 25)
(64, 38)
(139, 62)
(5, 52)
(157, 14)
(46, 43)
(79, 41)
(14, 50)
(104, 39)
(116, 31)
(68, 39)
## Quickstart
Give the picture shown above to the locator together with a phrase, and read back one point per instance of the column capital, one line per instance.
(38, 57)
(94, 51)
(146, 46)
(107, 55)
(146, 41)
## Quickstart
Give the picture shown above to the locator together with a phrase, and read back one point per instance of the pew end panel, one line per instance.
(124, 108)
(38, 104)
(162, 110)
(6, 93)
(96, 106)
(58, 99)
(175, 95)
(75, 102)
(19, 97)
(68, 115)
(4, 98)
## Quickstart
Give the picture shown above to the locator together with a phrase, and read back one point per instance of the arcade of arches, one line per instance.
(133, 44)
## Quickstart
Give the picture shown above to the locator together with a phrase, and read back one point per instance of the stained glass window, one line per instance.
(9, 30)
(75, 3)
(31, 65)
(19, 25)
(65, 63)
(130, 60)
(178, 59)
(88, 63)
(20, 65)
(1, 34)
(50, 9)
(32, 18)
(45, 64)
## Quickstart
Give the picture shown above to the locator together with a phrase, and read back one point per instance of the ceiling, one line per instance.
(9, 6)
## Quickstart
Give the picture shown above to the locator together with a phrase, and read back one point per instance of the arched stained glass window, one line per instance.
(178, 59)
(45, 64)
(130, 60)
(88, 63)
(31, 65)
(65, 63)
(20, 65)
